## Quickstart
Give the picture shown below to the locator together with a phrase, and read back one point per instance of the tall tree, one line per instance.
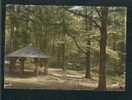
(103, 16)
(88, 30)
(103, 40)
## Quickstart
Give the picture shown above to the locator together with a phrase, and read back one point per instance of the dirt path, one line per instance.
(56, 79)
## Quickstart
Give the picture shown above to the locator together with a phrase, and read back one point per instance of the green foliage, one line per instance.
(45, 26)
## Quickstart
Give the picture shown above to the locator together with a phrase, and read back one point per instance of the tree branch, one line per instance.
(75, 41)
(98, 12)
(82, 15)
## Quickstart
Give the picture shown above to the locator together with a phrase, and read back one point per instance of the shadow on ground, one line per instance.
(57, 79)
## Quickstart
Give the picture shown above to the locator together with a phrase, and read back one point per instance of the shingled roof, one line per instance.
(28, 52)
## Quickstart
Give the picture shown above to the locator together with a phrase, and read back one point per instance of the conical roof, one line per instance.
(28, 52)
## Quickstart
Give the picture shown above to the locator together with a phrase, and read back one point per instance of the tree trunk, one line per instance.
(88, 75)
(88, 28)
(113, 42)
(63, 56)
(102, 66)
(58, 55)
(63, 39)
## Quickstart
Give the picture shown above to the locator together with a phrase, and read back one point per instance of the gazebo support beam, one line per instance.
(22, 60)
(36, 65)
(12, 64)
(45, 67)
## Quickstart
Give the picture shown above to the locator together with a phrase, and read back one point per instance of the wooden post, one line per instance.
(45, 67)
(36, 65)
(22, 64)
(12, 64)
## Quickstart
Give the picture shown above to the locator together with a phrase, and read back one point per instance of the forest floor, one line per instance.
(60, 80)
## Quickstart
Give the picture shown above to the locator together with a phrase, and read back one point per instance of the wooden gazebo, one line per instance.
(40, 58)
